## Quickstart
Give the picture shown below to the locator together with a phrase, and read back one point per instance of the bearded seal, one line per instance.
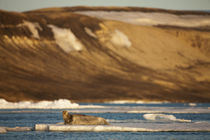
(80, 119)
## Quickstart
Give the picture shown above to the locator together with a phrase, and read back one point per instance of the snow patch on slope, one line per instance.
(65, 39)
(90, 32)
(32, 27)
(120, 39)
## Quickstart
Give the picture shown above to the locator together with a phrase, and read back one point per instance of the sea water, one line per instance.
(173, 118)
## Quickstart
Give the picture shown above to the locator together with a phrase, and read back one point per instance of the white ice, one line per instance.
(128, 127)
(56, 104)
(18, 129)
(136, 102)
(163, 117)
(192, 104)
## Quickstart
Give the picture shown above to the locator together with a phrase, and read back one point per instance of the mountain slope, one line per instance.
(57, 53)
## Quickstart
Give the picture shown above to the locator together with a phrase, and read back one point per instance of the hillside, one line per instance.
(74, 54)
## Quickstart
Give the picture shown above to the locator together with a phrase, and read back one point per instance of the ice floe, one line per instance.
(16, 129)
(163, 117)
(176, 127)
(192, 104)
(125, 127)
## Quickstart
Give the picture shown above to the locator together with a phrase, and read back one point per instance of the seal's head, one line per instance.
(65, 113)
(66, 117)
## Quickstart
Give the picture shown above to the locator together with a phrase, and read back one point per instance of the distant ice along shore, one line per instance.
(56, 104)
(136, 102)
(67, 104)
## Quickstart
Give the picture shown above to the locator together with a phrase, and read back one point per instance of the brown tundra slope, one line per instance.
(72, 53)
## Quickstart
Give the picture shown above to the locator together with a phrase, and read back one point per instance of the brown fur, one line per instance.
(80, 119)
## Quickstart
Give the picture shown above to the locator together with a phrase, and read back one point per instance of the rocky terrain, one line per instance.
(99, 54)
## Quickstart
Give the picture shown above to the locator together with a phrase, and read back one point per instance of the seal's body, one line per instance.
(80, 119)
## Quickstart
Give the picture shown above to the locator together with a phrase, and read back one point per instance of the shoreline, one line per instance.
(106, 101)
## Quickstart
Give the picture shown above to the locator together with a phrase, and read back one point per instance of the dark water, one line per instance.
(106, 135)
(120, 114)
